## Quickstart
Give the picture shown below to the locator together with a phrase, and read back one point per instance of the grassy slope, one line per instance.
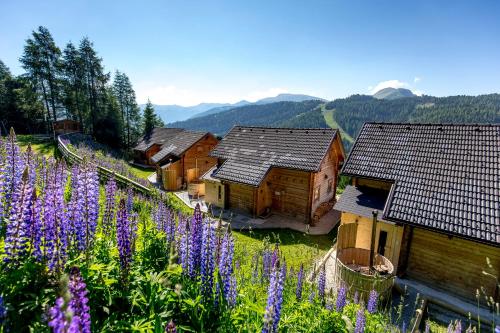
(45, 148)
(298, 248)
(330, 120)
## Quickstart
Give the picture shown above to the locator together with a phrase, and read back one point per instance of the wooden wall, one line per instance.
(197, 156)
(171, 176)
(241, 197)
(452, 264)
(364, 235)
(212, 193)
(286, 191)
(329, 170)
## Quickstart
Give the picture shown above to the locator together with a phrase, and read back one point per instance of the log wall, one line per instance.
(453, 264)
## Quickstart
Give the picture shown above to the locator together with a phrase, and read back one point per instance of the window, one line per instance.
(316, 193)
(330, 186)
(220, 192)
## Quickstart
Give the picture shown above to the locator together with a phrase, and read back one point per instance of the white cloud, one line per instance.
(417, 79)
(388, 84)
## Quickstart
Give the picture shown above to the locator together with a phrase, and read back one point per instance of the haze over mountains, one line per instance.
(173, 113)
(349, 114)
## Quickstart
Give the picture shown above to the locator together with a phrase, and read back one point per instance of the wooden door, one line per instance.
(277, 196)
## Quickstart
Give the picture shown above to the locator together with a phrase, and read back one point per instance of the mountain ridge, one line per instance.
(173, 113)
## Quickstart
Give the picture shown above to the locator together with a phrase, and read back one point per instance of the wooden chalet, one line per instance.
(180, 156)
(261, 170)
(65, 126)
(436, 189)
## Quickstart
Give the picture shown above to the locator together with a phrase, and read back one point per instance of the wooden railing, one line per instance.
(104, 173)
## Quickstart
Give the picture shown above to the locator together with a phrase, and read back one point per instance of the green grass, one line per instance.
(46, 148)
(330, 121)
(141, 172)
(297, 248)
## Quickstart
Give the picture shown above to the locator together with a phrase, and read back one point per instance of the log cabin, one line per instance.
(436, 189)
(286, 171)
(180, 156)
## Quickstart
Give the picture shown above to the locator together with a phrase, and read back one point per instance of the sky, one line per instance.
(187, 52)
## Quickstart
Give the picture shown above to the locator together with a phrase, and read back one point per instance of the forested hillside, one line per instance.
(274, 114)
(350, 113)
(70, 83)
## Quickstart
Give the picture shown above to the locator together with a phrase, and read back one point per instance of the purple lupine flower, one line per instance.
(403, 327)
(322, 283)
(55, 225)
(341, 298)
(300, 283)
(124, 236)
(233, 292)
(85, 205)
(274, 298)
(165, 221)
(183, 243)
(195, 241)
(13, 170)
(372, 302)
(79, 301)
(329, 306)
(226, 263)
(20, 221)
(427, 327)
(207, 266)
(266, 264)
(458, 327)
(110, 207)
(497, 329)
(360, 321)
(171, 328)
(3, 311)
(61, 317)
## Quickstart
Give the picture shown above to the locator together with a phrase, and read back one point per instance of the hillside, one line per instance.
(273, 114)
(350, 113)
(170, 113)
(393, 93)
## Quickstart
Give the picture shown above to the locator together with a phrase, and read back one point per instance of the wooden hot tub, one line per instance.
(353, 271)
(196, 188)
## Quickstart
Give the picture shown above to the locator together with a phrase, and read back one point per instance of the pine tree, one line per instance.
(42, 61)
(151, 120)
(129, 109)
(73, 84)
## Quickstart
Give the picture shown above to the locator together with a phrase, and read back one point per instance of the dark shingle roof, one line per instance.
(446, 177)
(361, 201)
(178, 144)
(173, 141)
(159, 135)
(251, 151)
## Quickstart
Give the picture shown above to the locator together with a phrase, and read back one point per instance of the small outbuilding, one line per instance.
(285, 171)
(65, 126)
(436, 189)
(180, 157)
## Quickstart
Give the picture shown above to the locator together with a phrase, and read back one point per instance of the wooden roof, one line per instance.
(249, 152)
(445, 177)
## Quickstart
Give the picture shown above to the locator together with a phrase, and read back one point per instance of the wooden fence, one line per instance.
(104, 173)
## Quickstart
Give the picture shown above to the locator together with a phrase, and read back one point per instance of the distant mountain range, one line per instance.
(349, 114)
(173, 113)
(393, 93)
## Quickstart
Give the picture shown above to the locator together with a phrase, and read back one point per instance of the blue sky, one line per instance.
(187, 52)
